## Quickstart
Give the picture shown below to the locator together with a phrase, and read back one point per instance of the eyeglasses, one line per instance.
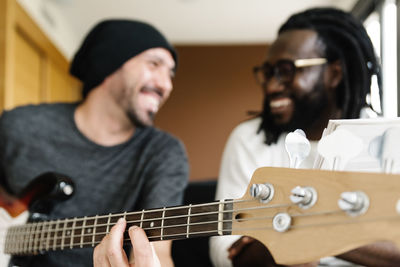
(284, 70)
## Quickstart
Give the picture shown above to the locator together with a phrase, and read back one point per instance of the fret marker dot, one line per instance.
(89, 230)
(152, 224)
(68, 232)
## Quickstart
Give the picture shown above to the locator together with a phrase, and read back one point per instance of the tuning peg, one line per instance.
(354, 203)
(298, 147)
(263, 192)
(305, 197)
(281, 222)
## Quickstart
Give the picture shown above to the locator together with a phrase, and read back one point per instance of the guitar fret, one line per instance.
(11, 239)
(14, 240)
(220, 218)
(39, 234)
(141, 219)
(94, 230)
(48, 236)
(37, 237)
(20, 240)
(162, 224)
(27, 229)
(56, 234)
(188, 221)
(83, 231)
(71, 243)
(108, 223)
(42, 236)
(63, 234)
(23, 231)
(32, 237)
(227, 217)
(7, 240)
(31, 229)
(17, 243)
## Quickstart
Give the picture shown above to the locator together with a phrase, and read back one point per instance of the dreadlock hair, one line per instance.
(346, 40)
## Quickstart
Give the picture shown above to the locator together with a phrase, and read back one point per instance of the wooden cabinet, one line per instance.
(32, 70)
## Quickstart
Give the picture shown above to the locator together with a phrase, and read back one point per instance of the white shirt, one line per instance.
(245, 151)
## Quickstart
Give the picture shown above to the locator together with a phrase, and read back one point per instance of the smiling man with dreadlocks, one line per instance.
(319, 68)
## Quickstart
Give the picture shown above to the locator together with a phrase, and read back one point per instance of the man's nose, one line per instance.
(164, 82)
(273, 85)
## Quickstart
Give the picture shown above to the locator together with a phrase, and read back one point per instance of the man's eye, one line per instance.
(154, 63)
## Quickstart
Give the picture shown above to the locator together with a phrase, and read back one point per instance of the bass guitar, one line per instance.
(300, 215)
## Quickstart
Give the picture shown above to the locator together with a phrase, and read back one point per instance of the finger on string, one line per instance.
(115, 252)
(142, 250)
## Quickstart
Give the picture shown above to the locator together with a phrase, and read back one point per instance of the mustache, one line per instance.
(271, 96)
(150, 89)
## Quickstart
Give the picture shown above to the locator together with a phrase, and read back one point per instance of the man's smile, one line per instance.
(278, 105)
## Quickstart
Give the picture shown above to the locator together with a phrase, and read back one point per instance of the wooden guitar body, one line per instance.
(32, 204)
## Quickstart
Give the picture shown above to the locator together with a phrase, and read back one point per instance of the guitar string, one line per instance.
(4, 229)
(48, 231)
(42, 225)
(175, 225)
(118, 215)
(156, 238)
(65, 222)
(42, 237)
(40, 240)
(47, 235)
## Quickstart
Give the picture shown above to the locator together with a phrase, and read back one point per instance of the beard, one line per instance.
(137, 121)
(137, 117)
(307, 111)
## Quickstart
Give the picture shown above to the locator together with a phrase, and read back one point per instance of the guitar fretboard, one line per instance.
(159, 224)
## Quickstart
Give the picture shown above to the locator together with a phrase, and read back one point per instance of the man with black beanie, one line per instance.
(106, 143)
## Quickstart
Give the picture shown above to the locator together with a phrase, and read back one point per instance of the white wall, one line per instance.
(50, 19)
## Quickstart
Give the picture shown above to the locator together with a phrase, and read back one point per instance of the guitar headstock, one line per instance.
(310, 214)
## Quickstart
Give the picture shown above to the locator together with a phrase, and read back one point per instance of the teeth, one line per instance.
(279, 103)
(152, 102)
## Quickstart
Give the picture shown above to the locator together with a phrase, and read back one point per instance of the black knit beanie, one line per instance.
(109, 45)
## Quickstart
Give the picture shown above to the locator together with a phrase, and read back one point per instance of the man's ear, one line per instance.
(334, 74)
